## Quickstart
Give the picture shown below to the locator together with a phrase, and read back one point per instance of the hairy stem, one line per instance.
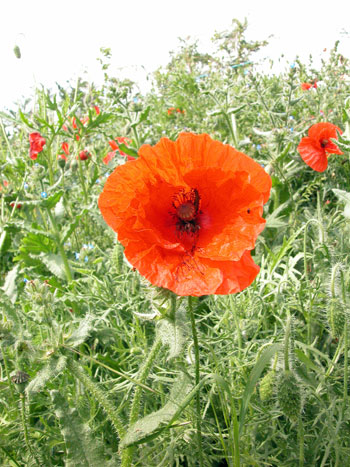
(196, 354)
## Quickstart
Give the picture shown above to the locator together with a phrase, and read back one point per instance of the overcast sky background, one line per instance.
(60, 40)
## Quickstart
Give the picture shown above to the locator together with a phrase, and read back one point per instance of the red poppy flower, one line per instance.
(115, 147)
(36, 144)
(171, 110)
(65, 148)
(314, 149)
(97, 109)
(188, 213)
(307, 86)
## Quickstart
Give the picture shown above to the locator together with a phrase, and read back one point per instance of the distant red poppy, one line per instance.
(110, 155)
(315, 148)
(97, 109)
(84, 155)
(188, 213)
(65, 148)
(36, 144)
(307, 86)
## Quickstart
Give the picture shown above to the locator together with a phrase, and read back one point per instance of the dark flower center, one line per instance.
(186, 212)
(186, 205)
(324, 142)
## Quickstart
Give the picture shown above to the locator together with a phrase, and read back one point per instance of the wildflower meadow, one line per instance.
(174, 267)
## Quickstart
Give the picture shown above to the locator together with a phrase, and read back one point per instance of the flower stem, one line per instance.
(196, 354)
(301, 441)
(286, 343)
(25, 430)
(60, 247)
(127, 453)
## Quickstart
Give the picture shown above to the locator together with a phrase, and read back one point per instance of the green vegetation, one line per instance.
(97, 367)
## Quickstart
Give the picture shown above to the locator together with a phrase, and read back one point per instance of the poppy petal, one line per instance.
(314, 156)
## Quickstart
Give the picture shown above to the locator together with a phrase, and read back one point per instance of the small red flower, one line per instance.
(171, 110)
(36, 144)
(18, 205)
(84, 155)
(65, 148)
(97, 109)
(315, 148)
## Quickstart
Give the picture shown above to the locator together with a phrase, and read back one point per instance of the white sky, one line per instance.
(60, 39)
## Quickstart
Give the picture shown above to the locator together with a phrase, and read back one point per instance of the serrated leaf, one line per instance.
(52, 200)
(24, 119)
(53, 368)
(145, 427)
(54, 264)
(174, 333)
(10, 287)
(84, 449)
(82, 333)
(144, 114)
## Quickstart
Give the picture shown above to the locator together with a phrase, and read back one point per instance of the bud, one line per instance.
(17, 51)
(62, 160)
(336, 317)
(20, 379)
(267, 386)
(288, 395)
(84, 155)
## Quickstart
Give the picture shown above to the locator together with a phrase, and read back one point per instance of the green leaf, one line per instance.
(53, 368)
(254, 378)
(10, 287)
(343, 196)
(129, 151)
(71, 227)
(52, 200)
(54, 264)
(24, 119)
(36, 243)
(152, 423)
(84, 449)
(174, 333)
(235, 110)
(144, 114)
(82, 333)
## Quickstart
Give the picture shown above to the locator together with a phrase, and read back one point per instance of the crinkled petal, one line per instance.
(313, 155)
(138, 203)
